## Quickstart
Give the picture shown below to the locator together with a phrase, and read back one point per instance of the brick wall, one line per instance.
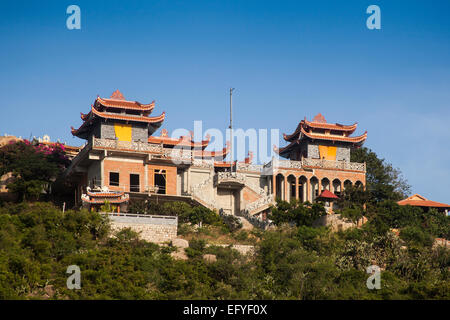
(124, 168)
(171, 177)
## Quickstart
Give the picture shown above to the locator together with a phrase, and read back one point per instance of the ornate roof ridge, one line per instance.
(356, 139)
(108, 115)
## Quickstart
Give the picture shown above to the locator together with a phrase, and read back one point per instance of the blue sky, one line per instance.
(286, 59)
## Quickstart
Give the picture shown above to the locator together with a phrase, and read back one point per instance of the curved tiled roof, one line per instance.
(212, 154)
(319, 122)
(105, 194)
(336, 126)
(118, 116)
(123, 104)
(103, 201)
(182, 141)
(356, 140)
(117, 100)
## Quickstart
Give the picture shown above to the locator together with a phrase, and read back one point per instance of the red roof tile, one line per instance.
(327, 195)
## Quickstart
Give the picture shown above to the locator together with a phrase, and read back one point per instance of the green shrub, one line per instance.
(231, 222)
(241, 235)
(416, 235)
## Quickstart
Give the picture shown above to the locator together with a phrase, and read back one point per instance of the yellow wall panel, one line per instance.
(332, 153)
(327, 153)
(123, 131)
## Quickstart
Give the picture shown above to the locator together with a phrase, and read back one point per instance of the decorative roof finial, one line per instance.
(117, 95)
(319, 118)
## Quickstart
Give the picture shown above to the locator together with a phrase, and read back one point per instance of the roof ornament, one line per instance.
(319, 118)
(164, 133)
(117, 95)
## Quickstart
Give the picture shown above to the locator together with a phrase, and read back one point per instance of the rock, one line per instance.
(210, 258)
(179, 254)
(180, 243)
(441, 242)
(49, 290)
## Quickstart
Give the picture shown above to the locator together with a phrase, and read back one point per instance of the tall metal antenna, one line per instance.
(231, 129)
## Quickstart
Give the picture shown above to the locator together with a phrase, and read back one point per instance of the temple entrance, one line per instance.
(228, 200)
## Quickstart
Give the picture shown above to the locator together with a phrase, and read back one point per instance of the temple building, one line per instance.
(123, 160)
(318, 156)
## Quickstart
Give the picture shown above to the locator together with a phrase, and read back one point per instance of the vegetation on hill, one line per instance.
(291, 261)
(38, 242)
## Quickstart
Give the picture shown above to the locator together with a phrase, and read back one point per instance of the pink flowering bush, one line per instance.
(35, 166)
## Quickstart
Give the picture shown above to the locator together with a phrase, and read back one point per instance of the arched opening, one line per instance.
(314, 182)
(279, 183)
(347, 184)
(291, 187)
(337, 187)
(325, 184)
(302, 189)
(359, 184)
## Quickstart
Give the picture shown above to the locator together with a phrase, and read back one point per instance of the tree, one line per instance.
(383, 181)
(34, 167)
(296, 212)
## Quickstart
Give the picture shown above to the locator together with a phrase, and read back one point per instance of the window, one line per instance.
(160, 181)
(114, 179)
(134, 183)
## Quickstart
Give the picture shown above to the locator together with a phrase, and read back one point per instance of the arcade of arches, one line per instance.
(307, 187)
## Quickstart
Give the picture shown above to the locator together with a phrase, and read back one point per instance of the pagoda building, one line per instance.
(321, 140)
(122, 155)
(318, 156)
(123, 160)
(116, 118)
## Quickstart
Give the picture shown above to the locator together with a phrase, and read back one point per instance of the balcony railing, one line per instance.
(329, 164)
(235, 178)
(127, 145)
(317, 163)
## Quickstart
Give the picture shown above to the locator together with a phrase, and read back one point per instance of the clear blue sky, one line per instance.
(287, 60)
